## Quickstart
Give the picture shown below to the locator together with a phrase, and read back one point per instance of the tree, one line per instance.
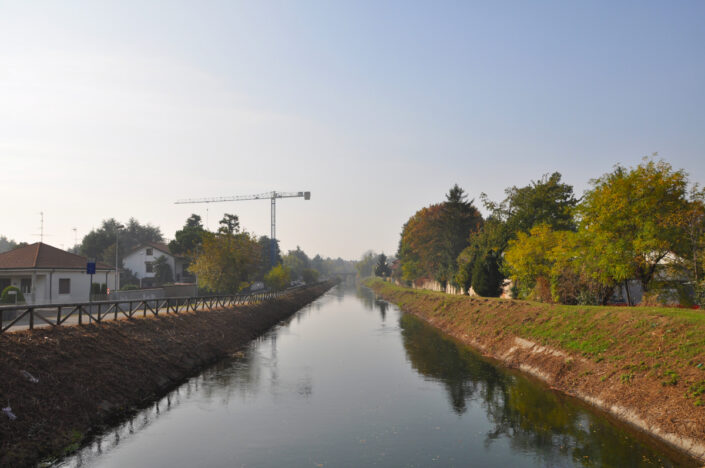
(271, 255)
(309, 275)
(227, 262)
(546, 201)
(460, 218)
(432, 239)
(421, 244)
(297, 261)
(100, 243)
(188, 239)
(278, 278)
(162, 270)
(366, 265)
(6, 244)
(633, 218)
(230, 224)
(382, 268)
(486, 277)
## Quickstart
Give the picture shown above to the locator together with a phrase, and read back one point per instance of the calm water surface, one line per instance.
(352, 381)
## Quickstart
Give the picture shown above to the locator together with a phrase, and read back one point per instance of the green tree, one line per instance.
(162, 270)
(382, 267)
(188, 239)
(278, 278)
(366, 265)
(633, 218)
(100, 243)
(297, 261)
(6, 244)
(309, 276)
(271, 255)
(486, 278)
(230, 224)
(546, 201)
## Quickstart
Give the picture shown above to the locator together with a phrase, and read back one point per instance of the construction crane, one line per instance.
(260, 196)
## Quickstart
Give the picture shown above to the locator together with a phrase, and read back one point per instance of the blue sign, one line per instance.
(90, 268)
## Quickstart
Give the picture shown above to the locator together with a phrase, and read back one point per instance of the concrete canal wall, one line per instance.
(60, 384)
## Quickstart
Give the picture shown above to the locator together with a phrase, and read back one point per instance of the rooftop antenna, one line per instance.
(41, 227)
(75, 237)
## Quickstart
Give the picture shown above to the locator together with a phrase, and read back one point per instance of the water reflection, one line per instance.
(351, 381)
(531, 417)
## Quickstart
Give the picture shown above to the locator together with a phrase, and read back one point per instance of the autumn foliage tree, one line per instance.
(634, 219)
(432, 239)
(228, 260)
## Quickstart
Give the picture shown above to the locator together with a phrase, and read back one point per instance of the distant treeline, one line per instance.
(644, 223)
(225, 261)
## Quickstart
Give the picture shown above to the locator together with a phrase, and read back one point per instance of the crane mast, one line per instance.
(272, 196)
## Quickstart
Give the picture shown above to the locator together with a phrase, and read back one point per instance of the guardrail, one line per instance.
(25, 316)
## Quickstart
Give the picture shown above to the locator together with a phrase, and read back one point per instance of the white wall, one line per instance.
(136, 260)
(79, 286)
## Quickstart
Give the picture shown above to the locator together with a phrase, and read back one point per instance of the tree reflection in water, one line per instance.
(534, 420)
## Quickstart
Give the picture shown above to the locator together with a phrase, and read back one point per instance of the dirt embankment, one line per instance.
(91, 375)
(644, 366)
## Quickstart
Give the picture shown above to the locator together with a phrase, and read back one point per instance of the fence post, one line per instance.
(80, 315)
(31, 318)
(58, 316)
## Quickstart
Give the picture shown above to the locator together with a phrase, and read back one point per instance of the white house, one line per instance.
(47, 275)
(141, 262)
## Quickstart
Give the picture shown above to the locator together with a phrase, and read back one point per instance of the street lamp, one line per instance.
(117, 248)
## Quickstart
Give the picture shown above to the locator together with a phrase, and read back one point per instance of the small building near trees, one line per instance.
(48, 275)
(143, 259)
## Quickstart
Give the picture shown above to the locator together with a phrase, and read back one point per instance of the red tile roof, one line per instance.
(43, 256)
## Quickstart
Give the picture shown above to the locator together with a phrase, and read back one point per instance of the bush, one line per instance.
(278, 277)
(129, 287)
(7, 298)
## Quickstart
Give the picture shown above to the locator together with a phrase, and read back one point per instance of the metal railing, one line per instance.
(54, 315)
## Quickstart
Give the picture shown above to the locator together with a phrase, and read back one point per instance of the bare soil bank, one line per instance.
(643, 366)
(91, 375)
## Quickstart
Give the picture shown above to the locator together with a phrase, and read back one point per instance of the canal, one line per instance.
(351, 381)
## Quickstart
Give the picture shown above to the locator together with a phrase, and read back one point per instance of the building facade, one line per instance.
(47, 275)
(141, 262)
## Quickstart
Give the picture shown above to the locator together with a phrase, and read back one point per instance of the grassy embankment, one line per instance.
(645, 362)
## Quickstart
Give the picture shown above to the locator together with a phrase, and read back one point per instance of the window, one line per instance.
(26, 285)
(64, 286)
(150, 252)
(148, 267)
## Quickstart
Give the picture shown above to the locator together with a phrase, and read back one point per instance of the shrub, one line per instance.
(129, 287)
(7, 298)
(278, 277)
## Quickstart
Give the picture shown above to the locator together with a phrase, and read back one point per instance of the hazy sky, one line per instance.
(117, 109)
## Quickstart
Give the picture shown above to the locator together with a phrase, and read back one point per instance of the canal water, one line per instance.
(351, 381)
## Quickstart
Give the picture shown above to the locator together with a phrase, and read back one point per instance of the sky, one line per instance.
(119, 108)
